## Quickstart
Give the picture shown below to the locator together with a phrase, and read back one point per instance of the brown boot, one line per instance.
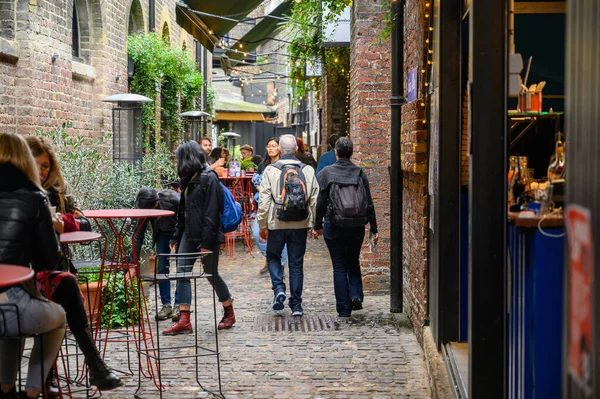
(183, 326)
(228, 319)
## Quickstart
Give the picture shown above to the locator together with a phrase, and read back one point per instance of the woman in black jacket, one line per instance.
(198, 229)
(26, 238)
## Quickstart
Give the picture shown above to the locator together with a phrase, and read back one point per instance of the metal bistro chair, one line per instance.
(7, 282)
(175, 352)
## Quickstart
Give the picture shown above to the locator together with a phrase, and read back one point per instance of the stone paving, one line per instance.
(366, 356)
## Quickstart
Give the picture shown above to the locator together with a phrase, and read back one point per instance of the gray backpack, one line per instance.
(348, 204)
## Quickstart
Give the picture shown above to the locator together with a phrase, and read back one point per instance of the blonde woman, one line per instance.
(26, 238)
(56, 188)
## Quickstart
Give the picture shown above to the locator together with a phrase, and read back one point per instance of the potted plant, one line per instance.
(248, 165)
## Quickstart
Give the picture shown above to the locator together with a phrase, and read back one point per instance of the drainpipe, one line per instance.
(151, 15)
(205, 89)
(396, 100)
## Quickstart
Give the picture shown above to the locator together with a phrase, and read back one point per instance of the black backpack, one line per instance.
(348, 204)
(292, 192)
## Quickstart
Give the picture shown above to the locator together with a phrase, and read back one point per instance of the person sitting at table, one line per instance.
(217, 160)
(198, 229)
(26, 238)
(56, 188)
(60, 285)
(248, 153)
(273, 154)
(162, 232)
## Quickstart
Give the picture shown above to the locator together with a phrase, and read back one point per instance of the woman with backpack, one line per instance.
(346, 206)
(198, 229)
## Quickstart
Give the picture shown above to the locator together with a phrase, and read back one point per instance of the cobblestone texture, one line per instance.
(366, 356)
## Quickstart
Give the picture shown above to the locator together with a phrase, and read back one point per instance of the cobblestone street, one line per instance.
(367, 356)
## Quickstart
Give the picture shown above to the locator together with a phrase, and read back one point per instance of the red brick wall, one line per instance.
(414, 164)
(370, 91)
(38, 94)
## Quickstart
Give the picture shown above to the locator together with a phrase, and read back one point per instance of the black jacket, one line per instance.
(168, 200)
(342, 172)
(200, 210)
(27, 236)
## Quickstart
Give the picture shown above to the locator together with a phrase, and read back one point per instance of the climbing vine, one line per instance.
(160, 67)
(305, 52)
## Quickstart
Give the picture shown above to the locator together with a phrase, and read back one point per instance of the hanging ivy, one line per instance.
(158, 65)
(306, 49)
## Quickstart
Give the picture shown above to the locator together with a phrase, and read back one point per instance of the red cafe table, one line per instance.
(14, 275)
(241, 188)
(118, 227)
(79, 237)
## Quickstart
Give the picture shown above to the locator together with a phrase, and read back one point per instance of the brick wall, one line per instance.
(370, 91)
(414, 164)
(37, 93)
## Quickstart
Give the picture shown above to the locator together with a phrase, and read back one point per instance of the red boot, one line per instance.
(183, 326)
(228, 319)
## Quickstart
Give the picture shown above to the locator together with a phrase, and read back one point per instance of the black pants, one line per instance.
(68, 295)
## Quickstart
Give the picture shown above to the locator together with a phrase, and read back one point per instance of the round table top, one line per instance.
(126, 213)
(79, 237)
(13, 275)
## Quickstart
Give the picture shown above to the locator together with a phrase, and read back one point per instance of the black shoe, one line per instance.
(100, 375)
(356, 304)
(297, 311)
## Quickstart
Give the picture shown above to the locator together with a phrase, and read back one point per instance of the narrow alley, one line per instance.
(370, 355)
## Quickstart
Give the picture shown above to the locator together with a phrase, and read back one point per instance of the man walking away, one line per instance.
(286, 210)
(346, 205)
(329, 157)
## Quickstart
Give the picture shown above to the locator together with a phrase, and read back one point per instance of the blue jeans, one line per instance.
(210, 265)
(344, 246)
(262, 246)
(164, 287)
(295, 239)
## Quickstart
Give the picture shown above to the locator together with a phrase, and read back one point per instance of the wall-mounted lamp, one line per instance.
(54, 57)
(117, 76)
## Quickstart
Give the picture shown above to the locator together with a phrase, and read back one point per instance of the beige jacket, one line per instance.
(269, 192)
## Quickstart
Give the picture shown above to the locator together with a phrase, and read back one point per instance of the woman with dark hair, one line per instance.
(304, 156)
(273, 155)
(198, 229)
(217, 157)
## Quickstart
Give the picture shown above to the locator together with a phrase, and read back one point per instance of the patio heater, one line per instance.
(128, 141)
(191, 124)
(231, 137)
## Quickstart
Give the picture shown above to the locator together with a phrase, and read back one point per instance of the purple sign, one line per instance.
(412, 85)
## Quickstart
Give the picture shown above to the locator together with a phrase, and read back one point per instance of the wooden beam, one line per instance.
(541, 7)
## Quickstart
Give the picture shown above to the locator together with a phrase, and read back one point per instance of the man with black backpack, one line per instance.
(346, 205)
(286, 211)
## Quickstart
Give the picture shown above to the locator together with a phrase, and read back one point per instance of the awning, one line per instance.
(192, 16)
(239, 110)
(240, 116)
(260, 32)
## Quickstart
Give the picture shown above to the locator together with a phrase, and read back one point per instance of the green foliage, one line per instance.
(96, 182)
(247, 164)
(158, 64)
(306, 48)
(210, 99)
(120, 316)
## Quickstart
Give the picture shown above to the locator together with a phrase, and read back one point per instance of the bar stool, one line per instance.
(156, 353)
